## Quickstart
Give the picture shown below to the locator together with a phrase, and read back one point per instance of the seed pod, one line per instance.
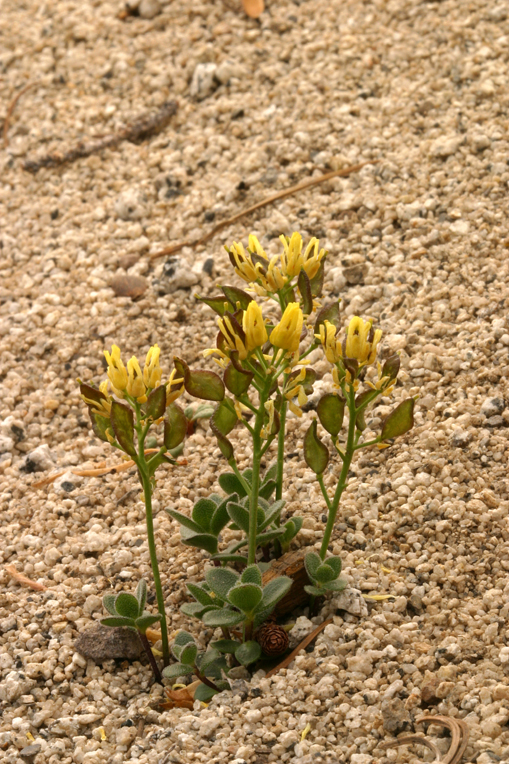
(273, 639)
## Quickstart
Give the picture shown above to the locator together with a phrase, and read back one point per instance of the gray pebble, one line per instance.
(39, 459)
(492, 407)
(460, 438)
(148, 9)
(104, 643)
(204, 81)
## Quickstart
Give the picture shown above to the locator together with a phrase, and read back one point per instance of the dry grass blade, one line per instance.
(305, 642)
(253, 8)
(11, 570)
(263, 203)
(98, 471)
(459, 736)
(410, 740)
(11, 108)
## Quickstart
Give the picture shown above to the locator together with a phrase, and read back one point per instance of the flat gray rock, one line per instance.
(106, 644)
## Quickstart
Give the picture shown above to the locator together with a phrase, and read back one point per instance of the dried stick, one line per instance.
(94, 472)
(11, 570)
(139, 130)
(305, 642)
(11, 108)
(411, 739)
(459, 736)
(263, 203)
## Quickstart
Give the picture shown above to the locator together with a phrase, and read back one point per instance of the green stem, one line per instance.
(281, 449)
(324, 491)
(255, 483)
(245, 485)
(348, 456)
(368, 443)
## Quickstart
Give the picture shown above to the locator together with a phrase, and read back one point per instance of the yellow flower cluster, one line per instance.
(360, 343)
(270, 276)
(134, 382)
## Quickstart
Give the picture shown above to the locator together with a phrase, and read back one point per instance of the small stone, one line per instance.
(148, 9)
(104, 643)
(415, 602)
(429, 693)
(30, 750)
(355, 274)
(361, 758)
(95, 542)
(39, 459)
(129, 205)
(446, 146)
(495, 421)
(15, 685)
(351, 601)
(6, 444)
(204, 81)
(177, 274)
(460, 438)
(128, 286)
(303, 626)
(67, 482)
(395, 716)
(480, 142)
(492, 407)
(226, 70)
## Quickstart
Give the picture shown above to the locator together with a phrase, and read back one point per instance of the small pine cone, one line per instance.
(273, 639)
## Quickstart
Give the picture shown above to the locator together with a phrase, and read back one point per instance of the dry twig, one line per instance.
(11, 570)
(459, 739)
(305, 642)
(263, 203)
(139, 130)
(11, 108)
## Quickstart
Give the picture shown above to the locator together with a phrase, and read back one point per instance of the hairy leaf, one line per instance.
(122, 422)
(316, 452)
(176, 670)
(202, 513)
(109, 603)
(248, 653)
(126, 605)
(141, 594)
(156, 403)
(245, 597)
(400, 420)
(175, 426)
(251, 575)
(116, 621)
(275, 590)
(221, 580)
(222, 618)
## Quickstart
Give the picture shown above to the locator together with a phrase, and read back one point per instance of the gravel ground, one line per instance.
(418, 241)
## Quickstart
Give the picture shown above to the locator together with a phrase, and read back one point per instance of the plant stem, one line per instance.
(281, 450)
(255, 482)
(207, 681)
(348, 456)
(150, 655)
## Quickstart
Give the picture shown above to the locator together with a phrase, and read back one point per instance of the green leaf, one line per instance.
(220, 517)
(100, 425)
(313, 590)
(109, 603)
(204, 693)
(335, 564)
(227, 557)
(249, 652)
(317, 281)
(323, 574)
(251, 575)
(236, 295)
(176, 670)
(391, 367)
(221, 580)
(145, 621)
(202, 513)
(271, 474)
(216, 303)
(272, 514)
(141, 594)
(156, 403)
(175, 426)
(400, 420)
(195, 610)
(328, 313)
(316, 452)
(225, 645)
(126, 605)
(188, 654)
(225, 445)
(199, 540)
(208, 658)
(201, 384)
(312, 562)
(238, 515)
(264, 538)
(182, 638)
(245, 597)
(237, 379)
(267, 489)
(225, 417)
(184, 520)
(92, 393)
(201, 595)
(118, 621)
(292, 527)
(304, 285)
(230, 483)
(275, 590)
(331, 410)
(337, 585)
(122, 422)
(222, 618)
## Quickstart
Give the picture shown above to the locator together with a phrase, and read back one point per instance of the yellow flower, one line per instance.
(254, 326)
(152, 371)
(117, 373)
(266, 430)
(232, 333)
(172, 395)
(362, 341)
(293, 260)
(135, 385)
(102, 407)
(331, 345)
(242, 260)
(286, 334)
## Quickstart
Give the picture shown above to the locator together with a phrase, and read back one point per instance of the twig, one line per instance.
(459, 736)
(305, 642)
(139, 130)
(11, 570)
(410, 739)
(11, 108)
(95, 472)
(263, 203)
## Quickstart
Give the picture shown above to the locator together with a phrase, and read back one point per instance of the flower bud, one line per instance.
(286, 334)
(152, 370)
(254, 326)
(135, 386)
(362, 341)
(117, 373)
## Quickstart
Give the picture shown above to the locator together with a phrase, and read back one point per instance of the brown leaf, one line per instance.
(253, 8)
(181, 698)
(128, 286)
